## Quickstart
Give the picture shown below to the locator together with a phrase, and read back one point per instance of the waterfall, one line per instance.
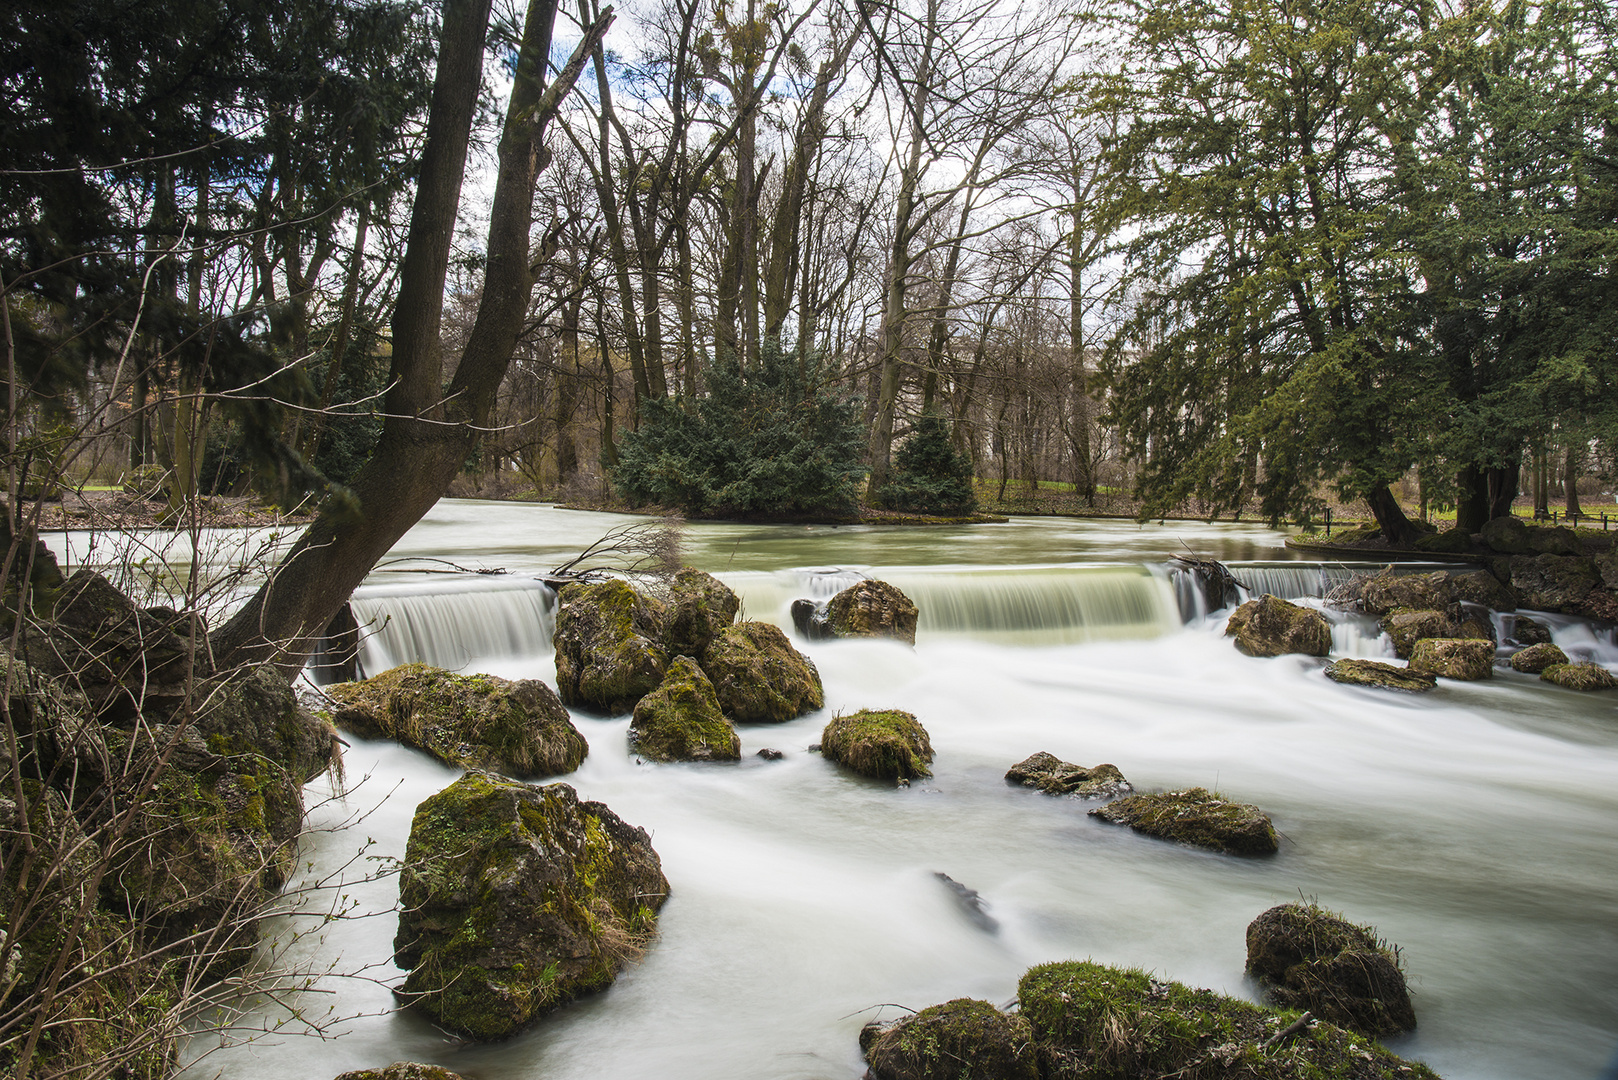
(450, 622)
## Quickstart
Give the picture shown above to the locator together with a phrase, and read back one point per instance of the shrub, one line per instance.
(929, 475)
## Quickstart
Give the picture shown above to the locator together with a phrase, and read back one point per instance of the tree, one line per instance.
(768, 441)
(930, 476)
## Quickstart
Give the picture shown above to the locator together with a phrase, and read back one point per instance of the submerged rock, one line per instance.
(883, 744)
(1584, 676)
(1092, 1022)
(1269, 626)
(515, 899)
(1526, 631)
(1466, 659)
(970, 902)
(809, 619)
(759, 676)
(1052, 775)
(609, 651)
(872, 609)
(469, 721)
(681, 720)
(700, 606)
(1536, 658)
(964, 1039)
(1195, 816)
(1372, 673)
(1309, 958)
(402, 1070)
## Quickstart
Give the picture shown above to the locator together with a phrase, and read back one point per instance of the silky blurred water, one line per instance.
(1474, 826)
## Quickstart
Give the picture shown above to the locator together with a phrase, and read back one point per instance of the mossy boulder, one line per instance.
(1553, 582)
(699, 607)
(1414, 592)
(1584, 676)
(1269, 626)
(1467, 659)
(515, 899)
(885, 744)
(1526, 631)
(1479, 587)
(1450, 541)
(1556, 540)
(1198, 817)
(1373, 673)
(1606, 564)
(1507, 535)
(681, 719)
(872, 609)
(1052, 775)
(402, 1070)
(1536, 658)
(1406, 627)
(1309, 958)
(469, 721)
(962, 1039)
(609, 650)
(1093, 1022)
(759, 677)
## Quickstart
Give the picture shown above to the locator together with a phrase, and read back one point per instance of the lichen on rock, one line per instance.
(885, 744)
(1536, 658)
(1052, 775)
(1270, 626)
(1309, 958)
(964, 1039)
(609, 645)
(1406, 627)
(1463, 659)
(872, 609)
(699, 607)
(758, 675)
(515, 899)
(1355, 672)
(1198, 817)
(1585, 676)
(470, 721)
(681, 719)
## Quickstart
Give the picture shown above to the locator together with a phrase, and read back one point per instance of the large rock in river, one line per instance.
(1269, 626)
(1052, 775)
(1453, 658)
(1092, 1022)
(469, 721)
(1586, 676)
(872, 609)
(402, 1070)
(1372, 673)
(1406, 627)
(759, 676)
(681, 719)
(962, 1039)
(609, 650)
(885, 744)
(699, 608)
(1309, 958)
(1553, 582)
(515, 899)
(1536, 658)
(1195, 816)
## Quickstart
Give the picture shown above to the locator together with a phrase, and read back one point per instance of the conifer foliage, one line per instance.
(930, 476)
(768, 441)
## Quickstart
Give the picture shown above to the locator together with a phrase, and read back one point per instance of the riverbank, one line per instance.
(121, 511)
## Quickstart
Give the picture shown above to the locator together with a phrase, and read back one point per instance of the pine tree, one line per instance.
(930, 476)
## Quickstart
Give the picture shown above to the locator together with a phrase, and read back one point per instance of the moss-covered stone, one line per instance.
(515, 899)
(962, 1039)
(1309, 958)
(681, 719)
(1093, 1022)
(700, 606)
(1450, 541)
(872, 609)
(1467, 659)
(1269, 626)
(1553, 582)
(1585, 676)
(1052, 775)
(469, 721)
(1508, 535)
(402, 1070)
(1372, 673)
(1526, 631)
(759, 676)
(1556, 540)
(1198, 817)
(1405, 627)
(609, 650)
(1480, 587)
(1536, 658)
(1414, 592)
(885, 744)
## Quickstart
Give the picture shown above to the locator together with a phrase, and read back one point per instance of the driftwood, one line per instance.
(1219, 586)
(1291, 1029)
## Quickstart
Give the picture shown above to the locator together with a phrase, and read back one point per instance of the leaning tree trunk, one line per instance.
(1390, 516)
(427, 433)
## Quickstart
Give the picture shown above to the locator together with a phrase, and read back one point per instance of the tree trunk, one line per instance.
(1571, 481)
(1390, 516)
(427, 433)
(1472, 503)
(1504, 481)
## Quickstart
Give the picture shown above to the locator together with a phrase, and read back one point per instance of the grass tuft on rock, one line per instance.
(1310, 958)
(1198, 817)
(885, 744)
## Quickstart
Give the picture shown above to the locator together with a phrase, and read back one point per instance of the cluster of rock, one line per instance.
(681, 663)
(153, 808)
(865, 609)
(1079, 1020)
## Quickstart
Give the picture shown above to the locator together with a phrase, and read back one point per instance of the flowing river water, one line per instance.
(1476, 827)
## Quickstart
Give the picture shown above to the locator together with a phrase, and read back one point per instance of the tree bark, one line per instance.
(1390, 516)
(1571, 478)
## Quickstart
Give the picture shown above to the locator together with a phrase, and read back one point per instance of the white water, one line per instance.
(1473, 826)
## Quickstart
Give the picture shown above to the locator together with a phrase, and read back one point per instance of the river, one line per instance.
(1474, 827)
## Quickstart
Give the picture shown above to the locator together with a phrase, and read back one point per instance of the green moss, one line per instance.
(1103, 1023)
(1311, 958)
(962, 1039)
(883, 744)
(608, 645)
(1196, 816)
(681, 719)
(1585, 676)
(758, 675)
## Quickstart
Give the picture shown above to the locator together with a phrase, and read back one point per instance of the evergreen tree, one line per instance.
(768, 441)
(930, 476)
